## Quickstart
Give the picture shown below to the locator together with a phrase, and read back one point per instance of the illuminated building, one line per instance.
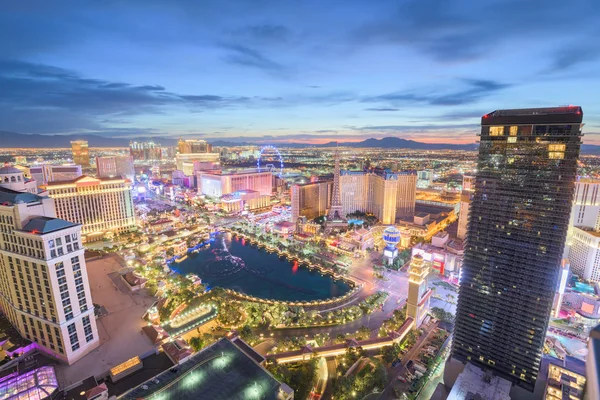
(218, 183)
(225, 370)
(244, 200)
(46, 173)
(115, 166)
(191, 151)
(517, 228)
(81, 154)
(417, 303)
(563, 276)
(44, 288)
(427, 221)
(387, 195)
(566, 379)
(145, 151)
(102, 206)
(585, 213)
(20, 160)
(13, 178)
(424, 179)
(311, 200)
(446, 257)
(465, 201)
(584, 254)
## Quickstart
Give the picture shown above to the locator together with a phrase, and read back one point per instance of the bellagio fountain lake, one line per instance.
(233, 263)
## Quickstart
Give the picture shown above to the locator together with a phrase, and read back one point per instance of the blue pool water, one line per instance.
(584, 288)
(233, 263)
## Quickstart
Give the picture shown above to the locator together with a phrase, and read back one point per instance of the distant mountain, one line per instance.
(399, 143)
(19, 140)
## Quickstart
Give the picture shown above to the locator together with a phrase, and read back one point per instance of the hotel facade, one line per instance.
(44, 287)
(387, 195)
(101, 206)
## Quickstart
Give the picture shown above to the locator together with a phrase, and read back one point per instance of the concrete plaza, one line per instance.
(120, 331)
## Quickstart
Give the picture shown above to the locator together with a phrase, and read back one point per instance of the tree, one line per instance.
(196, 343)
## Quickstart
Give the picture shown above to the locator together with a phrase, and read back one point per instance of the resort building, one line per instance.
(244, 200)
(44, 288)
(311, 200)
(13, 178)
(191, 151)
(101, 206)
(81, 154)
(115, 166)
(228, 369)
(145, 151)
(566, 379)
(218, 183)
(584, 253)
(427, 221)
(46, 173)
(387, 195)
(518, 223)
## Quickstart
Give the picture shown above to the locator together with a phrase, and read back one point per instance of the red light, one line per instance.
(578, 112)
(35, 231)
(485, 116)
(472, 315)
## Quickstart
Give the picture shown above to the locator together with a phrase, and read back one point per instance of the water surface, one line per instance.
(232, 263)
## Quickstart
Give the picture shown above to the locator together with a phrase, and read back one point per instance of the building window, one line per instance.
(496, 131)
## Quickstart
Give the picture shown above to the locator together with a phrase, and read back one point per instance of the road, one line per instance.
(322, 380)
(388, 392)
(331, 376)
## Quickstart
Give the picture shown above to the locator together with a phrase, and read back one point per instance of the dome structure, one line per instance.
(391, 236)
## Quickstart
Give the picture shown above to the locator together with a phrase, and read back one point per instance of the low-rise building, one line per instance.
(584, 253)
(245, 200)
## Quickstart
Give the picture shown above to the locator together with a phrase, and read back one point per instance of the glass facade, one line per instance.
(518, 223)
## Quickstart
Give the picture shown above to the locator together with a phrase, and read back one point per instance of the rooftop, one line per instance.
(40, 383)
(43, 225)
(10, 197)
(473, 383)
(8, 169)
(219, 372)
(536, 111)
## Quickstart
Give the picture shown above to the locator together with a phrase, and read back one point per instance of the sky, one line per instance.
(293, 71)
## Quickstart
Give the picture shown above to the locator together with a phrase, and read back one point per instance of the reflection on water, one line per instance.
(235, 264)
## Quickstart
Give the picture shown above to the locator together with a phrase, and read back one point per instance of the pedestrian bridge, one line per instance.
(308, 352)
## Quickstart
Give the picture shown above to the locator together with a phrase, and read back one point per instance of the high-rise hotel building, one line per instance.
(44, 288)
(101, 206)
(518, 223)
(310, 200)
(81, 154)
(387, 195)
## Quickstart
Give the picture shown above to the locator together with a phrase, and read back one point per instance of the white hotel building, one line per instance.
(44, 288)
(101, 205)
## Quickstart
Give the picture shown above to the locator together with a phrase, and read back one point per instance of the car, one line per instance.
(396, 362)
(401, 379)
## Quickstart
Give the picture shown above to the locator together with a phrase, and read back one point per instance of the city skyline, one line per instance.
(283, 72)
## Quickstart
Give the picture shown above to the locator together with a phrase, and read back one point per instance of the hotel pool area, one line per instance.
(581, 287)
(233, 263)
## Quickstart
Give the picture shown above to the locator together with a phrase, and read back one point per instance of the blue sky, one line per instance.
(276, 71)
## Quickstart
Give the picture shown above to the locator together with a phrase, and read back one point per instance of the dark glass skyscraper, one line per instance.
(517, 228)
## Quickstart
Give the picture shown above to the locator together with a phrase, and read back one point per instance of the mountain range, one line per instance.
(19, 140)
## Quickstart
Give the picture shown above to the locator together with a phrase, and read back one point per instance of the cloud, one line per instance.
(247, 57)
(469, 91)
(382, 109)
(266, 33)
(575, 54)
(464, 30)
(46, 99)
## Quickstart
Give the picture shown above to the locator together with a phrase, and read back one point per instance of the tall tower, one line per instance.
(517, 227)
(81, 155)
(417, 303)
(44, 287)
(335, 212)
